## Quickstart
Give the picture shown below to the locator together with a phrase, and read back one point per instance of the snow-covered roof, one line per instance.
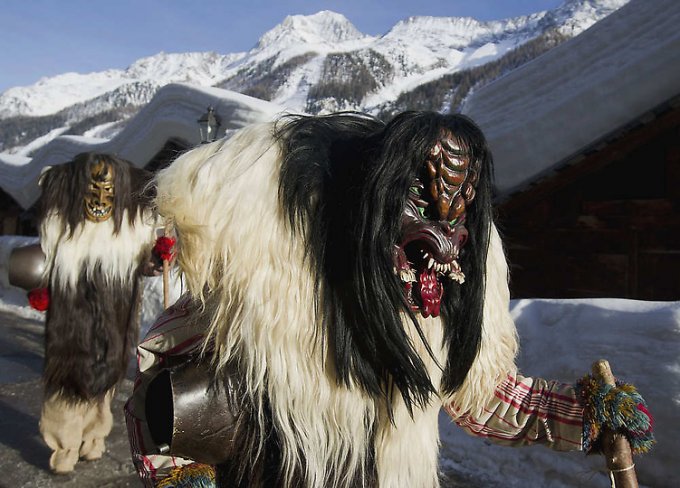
(172, 113)
(550, 110)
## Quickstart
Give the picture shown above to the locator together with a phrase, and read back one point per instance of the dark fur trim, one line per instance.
(91, 331)
(89, 335)
(253, 465)
(64, 187)
(344, 180)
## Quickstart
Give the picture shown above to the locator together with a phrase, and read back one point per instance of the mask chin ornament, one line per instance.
(433, 228)
(100, 192)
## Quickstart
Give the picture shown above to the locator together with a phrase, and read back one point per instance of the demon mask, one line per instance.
(433, 228)
(100, 192)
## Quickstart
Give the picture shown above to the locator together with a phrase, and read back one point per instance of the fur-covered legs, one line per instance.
(75, 430)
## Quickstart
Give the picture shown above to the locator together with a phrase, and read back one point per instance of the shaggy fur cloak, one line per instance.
(286, 234)
(92, 271)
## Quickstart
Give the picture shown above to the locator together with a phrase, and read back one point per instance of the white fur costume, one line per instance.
(238, 257)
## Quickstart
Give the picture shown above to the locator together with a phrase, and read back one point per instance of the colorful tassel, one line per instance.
(618, 408)
(194, 475)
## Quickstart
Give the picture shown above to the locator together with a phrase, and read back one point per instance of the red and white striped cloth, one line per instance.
(172, 337)
(528, 411)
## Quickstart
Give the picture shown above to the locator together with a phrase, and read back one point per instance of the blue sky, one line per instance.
(47, 37)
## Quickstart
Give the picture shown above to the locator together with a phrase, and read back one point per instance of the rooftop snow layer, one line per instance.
(172, 113)
(540, 115)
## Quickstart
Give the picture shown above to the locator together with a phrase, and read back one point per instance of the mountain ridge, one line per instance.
(314, 63)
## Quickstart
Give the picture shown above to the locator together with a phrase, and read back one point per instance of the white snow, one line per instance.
(323, 28)
(15, 159)
(295, 89)
(50, 95)
(413, 46)
(38, 142)
(104, 131)
(172, 113)
(560, 339)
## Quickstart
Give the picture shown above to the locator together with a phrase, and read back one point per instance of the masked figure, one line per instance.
(345, 283)
(96, 231)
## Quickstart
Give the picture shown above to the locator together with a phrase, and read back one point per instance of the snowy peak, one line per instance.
(50, 95)
(454, 32)
(324, 28)
(575, 16)
(202, 68)
(311, 63)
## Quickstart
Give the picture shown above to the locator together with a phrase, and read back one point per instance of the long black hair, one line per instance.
(344, 182)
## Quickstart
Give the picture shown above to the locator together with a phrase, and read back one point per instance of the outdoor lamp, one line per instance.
(208, 125)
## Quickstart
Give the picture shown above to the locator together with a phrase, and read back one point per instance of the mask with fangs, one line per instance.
(99, 196)
(433, 228)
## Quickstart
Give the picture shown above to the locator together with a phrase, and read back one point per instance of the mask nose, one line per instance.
(445, 227)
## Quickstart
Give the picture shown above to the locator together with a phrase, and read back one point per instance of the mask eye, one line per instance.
(453, 222)
(421, 211)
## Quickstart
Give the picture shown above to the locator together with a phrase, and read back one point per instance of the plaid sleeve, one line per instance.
(528, 411)
(171, 336)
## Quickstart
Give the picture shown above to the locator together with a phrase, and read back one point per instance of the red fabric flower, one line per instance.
(164, 248)
(39, 299)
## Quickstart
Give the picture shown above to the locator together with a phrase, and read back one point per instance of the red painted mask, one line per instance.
(433, 225)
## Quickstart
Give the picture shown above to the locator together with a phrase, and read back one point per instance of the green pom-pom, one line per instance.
(619, 408)
(194, 475)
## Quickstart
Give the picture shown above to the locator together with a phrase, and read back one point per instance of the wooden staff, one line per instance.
(166, 283)
(615, 446)
(166, 273)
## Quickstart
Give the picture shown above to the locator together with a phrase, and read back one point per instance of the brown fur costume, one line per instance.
(93, 268)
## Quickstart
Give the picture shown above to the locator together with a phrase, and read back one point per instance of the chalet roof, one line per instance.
(172, 113)
(577, 95)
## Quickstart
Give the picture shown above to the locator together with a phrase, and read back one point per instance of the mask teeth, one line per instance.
(96, 211)
(407, 276)
(457, 276)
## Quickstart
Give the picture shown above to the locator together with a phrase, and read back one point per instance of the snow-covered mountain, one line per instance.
(311, 63)
(51, 95)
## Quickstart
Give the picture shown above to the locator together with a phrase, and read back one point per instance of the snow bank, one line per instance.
(560, 339)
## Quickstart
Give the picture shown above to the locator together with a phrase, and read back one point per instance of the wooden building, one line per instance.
(586, 143)
(607, 225)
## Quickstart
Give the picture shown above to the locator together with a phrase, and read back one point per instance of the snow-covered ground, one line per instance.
(560, 339)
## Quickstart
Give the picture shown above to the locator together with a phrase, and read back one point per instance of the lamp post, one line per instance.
(208, 125)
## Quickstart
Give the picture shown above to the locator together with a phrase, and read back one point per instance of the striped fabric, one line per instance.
(171, 337)
(528, 411)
